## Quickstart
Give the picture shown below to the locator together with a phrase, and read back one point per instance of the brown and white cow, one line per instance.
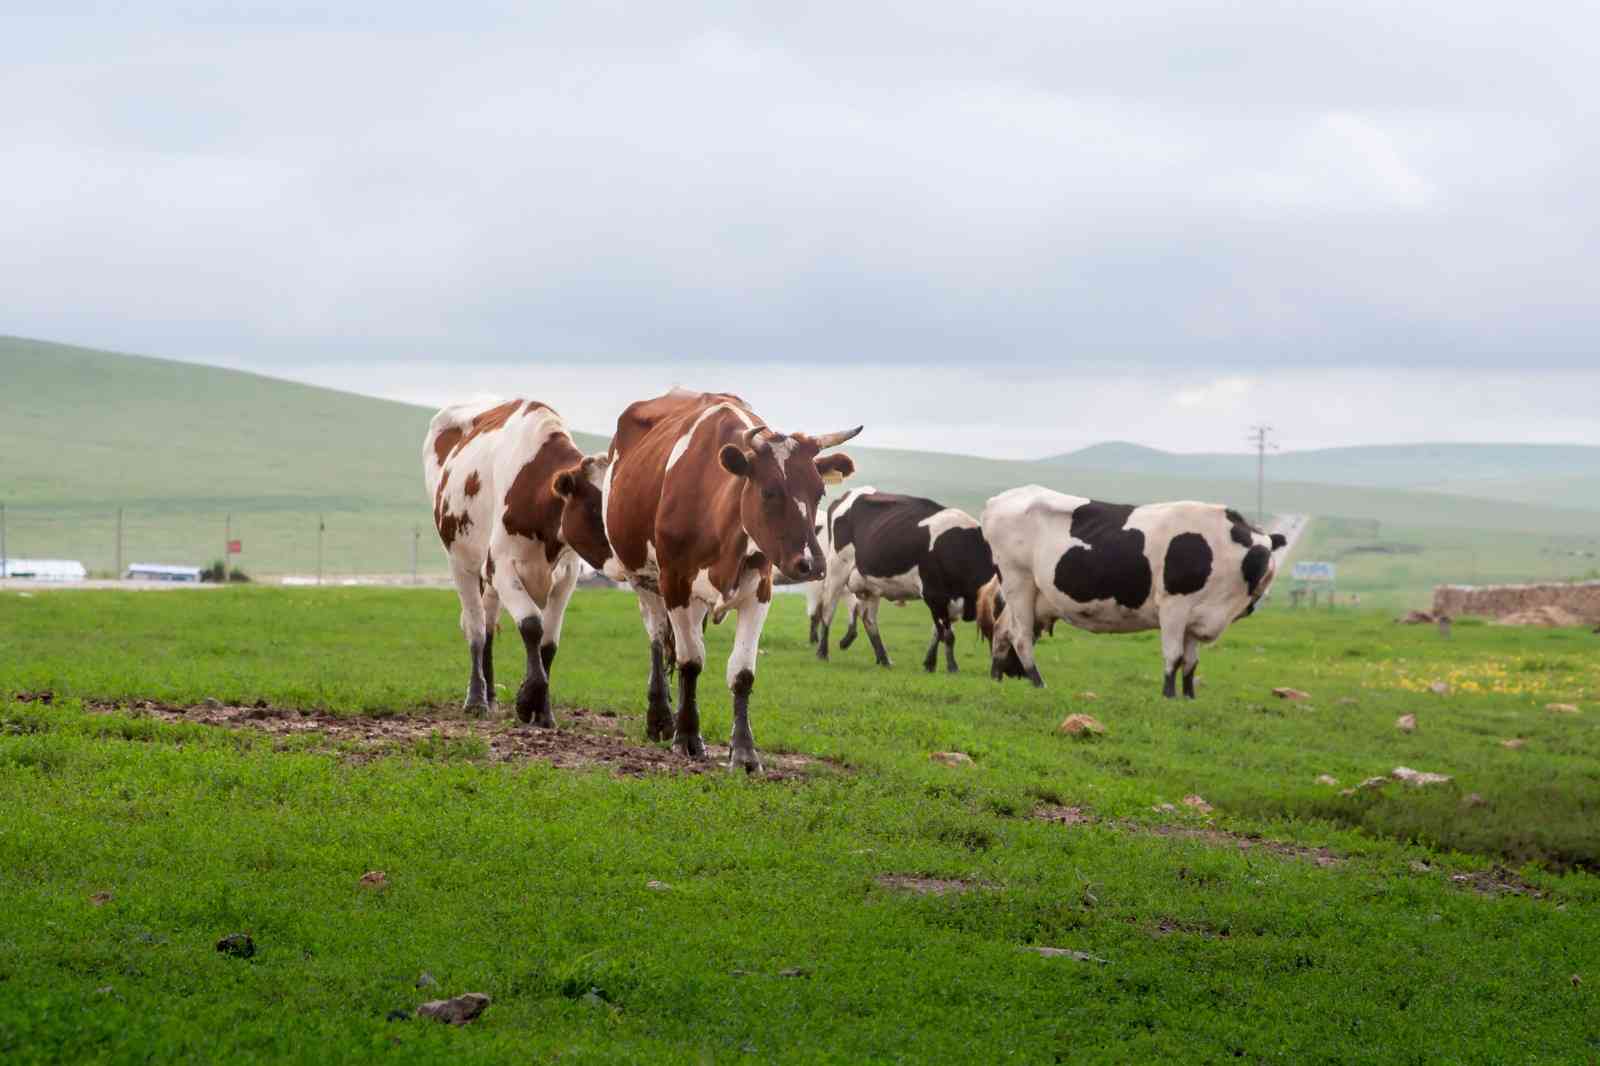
(516, 505)
(702, 500)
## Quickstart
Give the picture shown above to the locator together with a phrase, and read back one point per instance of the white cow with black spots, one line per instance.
(1188, 569)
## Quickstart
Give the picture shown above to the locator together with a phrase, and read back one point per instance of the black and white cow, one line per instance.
(883, 546)
(814, 591)
(1187, 569)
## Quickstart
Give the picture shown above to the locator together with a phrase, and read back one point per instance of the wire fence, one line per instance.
(268, 544)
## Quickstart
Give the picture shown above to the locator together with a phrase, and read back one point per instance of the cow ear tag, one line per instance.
(833, 477)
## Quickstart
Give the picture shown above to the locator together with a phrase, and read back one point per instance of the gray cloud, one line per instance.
(1162, 184)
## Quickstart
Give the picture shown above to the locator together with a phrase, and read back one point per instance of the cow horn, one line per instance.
(833, 440)
(751, 434)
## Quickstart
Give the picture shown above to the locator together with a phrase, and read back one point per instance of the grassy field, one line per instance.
(183, 449)
(1458, 922)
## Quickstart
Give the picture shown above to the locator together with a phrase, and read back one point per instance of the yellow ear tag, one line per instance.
(833, 477)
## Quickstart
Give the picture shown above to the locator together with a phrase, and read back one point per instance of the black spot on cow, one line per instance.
(1113, 566)
(1254, 566)
(1188, 564)
(1279, 541)
(1239, 530)
(884, 528)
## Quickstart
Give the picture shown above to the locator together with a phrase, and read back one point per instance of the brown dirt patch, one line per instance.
(1496, 881)
(585, 738)
(1072, 816)
(927, 886)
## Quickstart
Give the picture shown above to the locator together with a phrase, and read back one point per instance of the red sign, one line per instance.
(235, 547)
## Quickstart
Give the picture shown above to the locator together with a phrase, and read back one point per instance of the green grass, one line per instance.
(182, 449)
(529, 883)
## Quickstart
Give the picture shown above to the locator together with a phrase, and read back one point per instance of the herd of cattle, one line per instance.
(697, 502)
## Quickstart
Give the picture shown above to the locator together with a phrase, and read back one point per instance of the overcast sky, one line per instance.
(1031, 225)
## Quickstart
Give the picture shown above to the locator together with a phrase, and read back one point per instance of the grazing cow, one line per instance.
(516, 505)
(702, 500)
(1187, 569)
(903, 548)
(814, 590)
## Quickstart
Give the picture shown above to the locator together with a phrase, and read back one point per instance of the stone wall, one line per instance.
(1496, 601)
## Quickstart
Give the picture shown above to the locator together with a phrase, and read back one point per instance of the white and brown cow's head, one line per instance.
(583, 525)
(783, 479)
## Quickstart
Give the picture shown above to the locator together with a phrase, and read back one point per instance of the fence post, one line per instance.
(4, 568)
(227, 542)
(119, 572)
(321, 526)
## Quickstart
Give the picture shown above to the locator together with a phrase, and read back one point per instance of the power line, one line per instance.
(1259, 437)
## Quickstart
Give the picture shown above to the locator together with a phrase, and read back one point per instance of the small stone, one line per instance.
(1562, 708)
(212, 703)
(1065, 953)
(1417, 778)
(1440, 688)
(1406, 723)
(1291, 694)
(1514, 743)
(657, 886)
(376, 879)
(1080, 725)
(238, 945)
(1197, 803)
(951, 758)
(457, 1011)
(426, 980)
(794, 971)
(100, 899)
(1090, 696)
(1327, 779)
(105, 990)
(1576, 980)
(1165, 808)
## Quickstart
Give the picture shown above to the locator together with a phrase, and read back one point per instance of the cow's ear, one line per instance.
(835, 468)
(566, 482)
(735, 460)
(1279, 541)
(595, 465)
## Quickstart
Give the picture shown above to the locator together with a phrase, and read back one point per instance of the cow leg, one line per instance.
(950, 648)
(1191, 663)
(491, 622)
(827, 604)
(849, 637)
(565, 580)
(742, 680)
(1019, 609)
(690, 643)
(522, 584)
(469, 592)
(658, 707)
(869, 619)
(931, 659)
(1172, 641)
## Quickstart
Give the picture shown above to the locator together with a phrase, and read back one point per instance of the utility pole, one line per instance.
(227, 545)
(321, 526)
(416, 538)
(4, 572)
(1258, 437)
(119, 543)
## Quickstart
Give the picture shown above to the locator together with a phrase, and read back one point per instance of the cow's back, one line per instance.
(648, 431)
(885, 530)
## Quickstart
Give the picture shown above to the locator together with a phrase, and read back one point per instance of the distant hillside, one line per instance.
(181, 448)
(1561, 475)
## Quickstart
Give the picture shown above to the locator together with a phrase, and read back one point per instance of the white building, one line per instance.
(44, 569)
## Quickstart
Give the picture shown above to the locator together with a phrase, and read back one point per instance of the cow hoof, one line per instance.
(748, 761)
(691, 747)
(930, 667)
(952, 669)
(476, 709)
(1033, 675)
(544, 720)
(885, 663)
(822, 654)
(997, 671)
(848, 639)
(658, 723)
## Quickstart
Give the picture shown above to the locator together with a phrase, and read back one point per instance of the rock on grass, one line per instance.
(1417, 778)
(1562, 708)
(1197, 803)
(1328, 779)
(1065, 953)
(1406, 723)
(951, 758)
(1285, 693)
(457, 1011)
(1081, 725)
(375, 879)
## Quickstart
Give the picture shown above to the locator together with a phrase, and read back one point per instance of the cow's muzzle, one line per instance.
(805, 568)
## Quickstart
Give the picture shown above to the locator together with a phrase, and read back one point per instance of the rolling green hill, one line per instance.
(188, 452)
(1562, 475)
